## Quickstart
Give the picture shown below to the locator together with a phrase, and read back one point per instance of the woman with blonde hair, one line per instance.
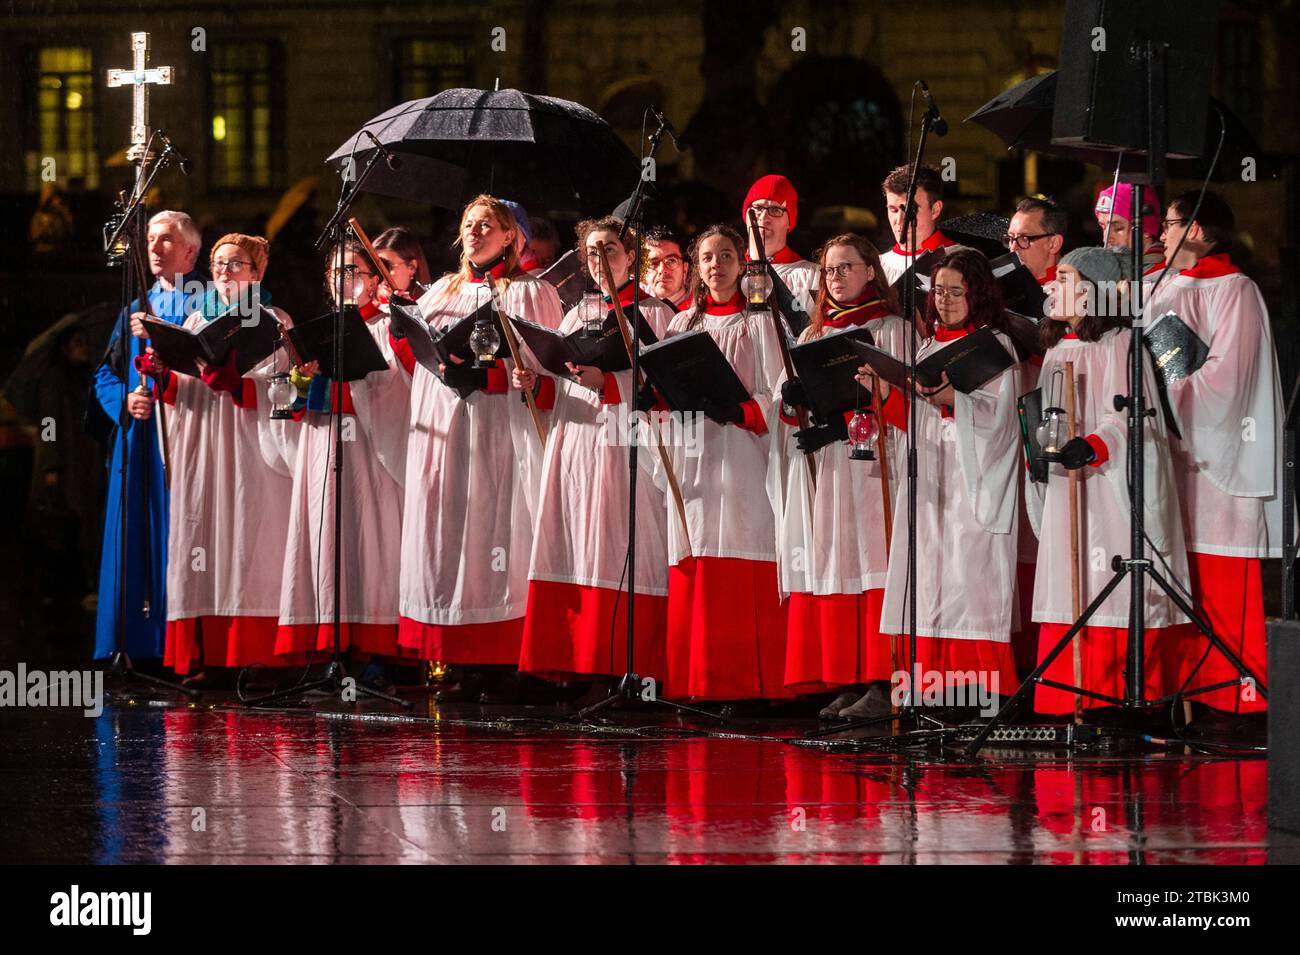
(471, 464)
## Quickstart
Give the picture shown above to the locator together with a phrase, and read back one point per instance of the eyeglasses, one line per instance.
(355, 271)
(841, 270)
(1023, 242)
(1166, 223)
(945, 291)
(233, 267)
(667, 262)
(769, 209)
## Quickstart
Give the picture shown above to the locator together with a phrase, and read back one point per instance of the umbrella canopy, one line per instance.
(982, 231)
(22, 387)
(544, 152)
(1022, 118)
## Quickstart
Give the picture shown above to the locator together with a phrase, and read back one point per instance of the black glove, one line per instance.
(1077, 453)
(646, 398)
(818, 436)
(465, 376)
(722, 413)
(793, 393)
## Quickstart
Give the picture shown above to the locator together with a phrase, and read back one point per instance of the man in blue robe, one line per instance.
(172, 244)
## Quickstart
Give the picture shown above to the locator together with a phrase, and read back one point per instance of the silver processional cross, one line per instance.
(139, 78)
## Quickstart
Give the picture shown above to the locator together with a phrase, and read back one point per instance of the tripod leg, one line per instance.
(1022, 691)
(1181, 603)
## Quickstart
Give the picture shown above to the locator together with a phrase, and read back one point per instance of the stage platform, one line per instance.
(147, 782)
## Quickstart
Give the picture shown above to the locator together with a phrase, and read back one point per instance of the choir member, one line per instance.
(229, 504)
(969, 458)
(172, 243)
(832, 545)
(576, 621)
(540, 253)
(775, 202)
(1228, 462)
(1036, 234)
(1087, 326)
(372, 414)
(726, 632)
(1114, 207)
(929, 207)
(667, 269)
(404, 258)
(471, 465)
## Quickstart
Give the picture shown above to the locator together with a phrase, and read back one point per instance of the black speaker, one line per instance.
(1101, 84)
(1284, 725)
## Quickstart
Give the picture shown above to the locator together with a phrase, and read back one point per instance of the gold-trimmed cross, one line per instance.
(139, 77)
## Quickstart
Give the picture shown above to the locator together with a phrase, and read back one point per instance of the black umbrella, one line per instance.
(544, 152)
(1022, 118)
(982, 231)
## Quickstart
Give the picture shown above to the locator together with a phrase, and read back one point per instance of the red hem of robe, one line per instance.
(193, 643)
(375, 639)
(955, 657)
(834, 640)
(1230, 593)
(726, 631)
(1103, 661)
(573, 631)
(471, 644)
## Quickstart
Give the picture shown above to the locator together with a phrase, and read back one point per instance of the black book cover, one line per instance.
(568, 275)
(795, 317)
(431, 348)
(181, 348)
(969, 361)
(1030, 409)
(827, 367)
(1020, 290)
(605, 351)
(1023, 330)
(314, 341)
(919, 273)
(1176, 352)
(689, 368)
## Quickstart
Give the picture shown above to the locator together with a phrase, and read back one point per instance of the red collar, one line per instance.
(1211, 267)
(498, 271)
(944, 334)
(369, 310)
(784, 257)
(730, 307)
(1050, 276)
(854, 314)
(937, 240)
(1069, 336)
(626, 294)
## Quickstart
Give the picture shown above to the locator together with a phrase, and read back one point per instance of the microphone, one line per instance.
(394, 161)
(679, 143)
(940, 125)
(181, 159)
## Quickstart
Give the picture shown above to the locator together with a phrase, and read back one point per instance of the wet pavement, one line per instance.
(467, 784)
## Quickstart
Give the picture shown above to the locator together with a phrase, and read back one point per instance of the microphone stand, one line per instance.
(628, 690)
(331, 681)
(128, 227)
(1137, 566)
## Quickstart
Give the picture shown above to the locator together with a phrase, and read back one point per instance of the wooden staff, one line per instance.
(886, 501)
(619, 317)
(774, 308)
(374, 256)
(508, 331)
(1075, 596)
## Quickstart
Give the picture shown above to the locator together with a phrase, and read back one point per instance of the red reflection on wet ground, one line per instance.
(206, 785)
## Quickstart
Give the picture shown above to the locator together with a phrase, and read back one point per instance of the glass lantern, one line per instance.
(282, 395)
(592, 313)
(862, 435)
(484, 341)
(1053, 430)
(756, 286)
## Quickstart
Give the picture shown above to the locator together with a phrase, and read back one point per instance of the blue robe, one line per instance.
(146, 531)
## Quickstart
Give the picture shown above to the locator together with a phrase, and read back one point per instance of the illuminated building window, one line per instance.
(61, 121)
(246, 126)
(425, 66)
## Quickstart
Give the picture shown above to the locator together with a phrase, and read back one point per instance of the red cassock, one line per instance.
(726, 631)
(576, 621)
(1228, 466)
